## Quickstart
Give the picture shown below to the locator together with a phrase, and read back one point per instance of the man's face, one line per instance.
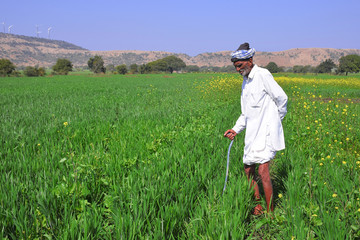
(244, 66)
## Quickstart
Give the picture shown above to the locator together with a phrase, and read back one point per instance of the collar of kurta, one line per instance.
(252, 72)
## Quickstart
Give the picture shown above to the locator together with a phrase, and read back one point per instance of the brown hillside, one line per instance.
(30, 51)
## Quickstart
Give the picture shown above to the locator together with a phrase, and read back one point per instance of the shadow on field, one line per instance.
(280, 169)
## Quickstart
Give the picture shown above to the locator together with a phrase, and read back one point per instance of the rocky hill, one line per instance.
(31, 51)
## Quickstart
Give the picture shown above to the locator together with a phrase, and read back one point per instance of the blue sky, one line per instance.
(188, 26)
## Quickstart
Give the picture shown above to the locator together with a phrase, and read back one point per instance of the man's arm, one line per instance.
(240, 124)
(276, 93)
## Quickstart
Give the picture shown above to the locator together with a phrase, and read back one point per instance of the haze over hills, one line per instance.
(31, 51)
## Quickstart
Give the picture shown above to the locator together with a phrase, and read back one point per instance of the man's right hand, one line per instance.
(230, 134)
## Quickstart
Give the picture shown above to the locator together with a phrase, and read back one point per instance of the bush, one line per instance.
(192, 68)
(34, 71)
(96, 64)
(62, 67)
(134, 68)
(121, 69)
(273, 67)
(6, 67)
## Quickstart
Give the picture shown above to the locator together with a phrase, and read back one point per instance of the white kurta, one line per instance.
(263, 106)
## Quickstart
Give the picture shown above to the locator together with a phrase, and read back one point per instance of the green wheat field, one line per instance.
(144, 157)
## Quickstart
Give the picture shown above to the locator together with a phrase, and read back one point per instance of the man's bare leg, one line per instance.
(250, 174)
(267, 185)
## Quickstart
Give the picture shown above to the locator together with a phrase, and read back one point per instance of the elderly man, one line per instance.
(263, 107)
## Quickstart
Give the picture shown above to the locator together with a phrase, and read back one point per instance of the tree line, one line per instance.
(168, 64)
(347, 64)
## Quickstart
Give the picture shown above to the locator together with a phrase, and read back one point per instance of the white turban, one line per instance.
(242, 54)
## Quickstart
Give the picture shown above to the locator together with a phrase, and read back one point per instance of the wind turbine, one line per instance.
(37, 30)
(49, 29)
(9, 28)
(3, 23)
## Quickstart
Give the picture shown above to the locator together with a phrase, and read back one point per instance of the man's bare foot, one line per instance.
(258, 210)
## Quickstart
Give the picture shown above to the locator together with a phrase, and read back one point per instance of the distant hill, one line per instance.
(31, 51)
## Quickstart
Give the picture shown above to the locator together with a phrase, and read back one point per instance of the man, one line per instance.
(263, 107)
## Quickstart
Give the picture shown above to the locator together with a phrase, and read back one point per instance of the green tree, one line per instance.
(41, 71)
(192, 68)
(325, 67)
(122, 69)
(349, 63)
(134, 68)
(62, 66)
(31, 71)
(174, 63)
(302, 69)
(6, 67)
(157, 66)
(96, 64)
(145, 68)
(272, 67)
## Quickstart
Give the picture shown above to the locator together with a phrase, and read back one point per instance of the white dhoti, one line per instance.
(260, 156)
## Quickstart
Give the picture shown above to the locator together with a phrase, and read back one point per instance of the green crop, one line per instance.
(144, 157)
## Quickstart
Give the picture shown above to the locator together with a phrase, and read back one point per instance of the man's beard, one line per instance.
(244, 72)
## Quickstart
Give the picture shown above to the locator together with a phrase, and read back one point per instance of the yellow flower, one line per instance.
(314, 215)
(359, 210)
(334, 195)
(66, 123)
(344, 162)
(336, 208)
(39, 144)
(280, 195)
(321, 164)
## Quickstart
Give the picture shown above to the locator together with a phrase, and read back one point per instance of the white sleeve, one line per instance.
(240, 124)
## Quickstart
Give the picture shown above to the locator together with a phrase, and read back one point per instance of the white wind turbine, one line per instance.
(49, 29)
(9, 28)
(37, 30)
(3, 23)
